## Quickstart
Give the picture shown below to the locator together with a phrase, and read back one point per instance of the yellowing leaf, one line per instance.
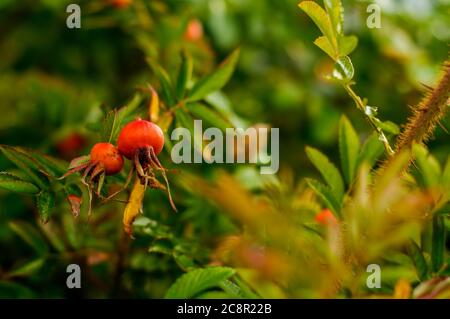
(153, 110)
(133, 206)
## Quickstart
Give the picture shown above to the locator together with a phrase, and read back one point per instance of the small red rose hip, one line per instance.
(108, 155)
(326, 218)
(140, 134)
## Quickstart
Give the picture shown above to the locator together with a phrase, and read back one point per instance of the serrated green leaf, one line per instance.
(27, 164)
(335, 11)
(343, 70)
(347, 44)
(30, 235)
(209, 115)
(418, 259)
(323, 43)
(216, 80)
(328, 171)
(438, 243)
(184, 76)
(372, 149)
(321, 19)
(196, 281)
(13, 183)
(348, 148)
(327, 196)
(52, 166)
(45, 204)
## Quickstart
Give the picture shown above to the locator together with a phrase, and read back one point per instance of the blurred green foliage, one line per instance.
(58, 84)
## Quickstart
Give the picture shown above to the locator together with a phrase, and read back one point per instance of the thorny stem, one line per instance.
(362, 107)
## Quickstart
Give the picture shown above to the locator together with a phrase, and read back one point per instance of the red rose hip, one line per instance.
(140, 134)
(107, 155)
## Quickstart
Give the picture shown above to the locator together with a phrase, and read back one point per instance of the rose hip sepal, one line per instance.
(104, 159)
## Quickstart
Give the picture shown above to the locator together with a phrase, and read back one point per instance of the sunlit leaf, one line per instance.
(323, 43)
(335, 11)
(216, 80)
(320, 18)
(196, 281)
(347, 44)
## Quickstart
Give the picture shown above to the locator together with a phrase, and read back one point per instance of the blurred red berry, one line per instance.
(326, 218)
(119, 4)
(194, 30)
(70, 145)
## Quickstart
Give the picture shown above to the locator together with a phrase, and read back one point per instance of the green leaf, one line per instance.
(335, 11)
(438, 243)
(372, 149)
(30, 235)
(216, 80)
(347, 44)
(428, 166)
(109, 124)
(168, 92)
(445, 180)
(328, 171)
(323, 43)
(343, 70)
(418, 259)
(321, 19)
(389, 127)
(184, 75)
(196, 281)
(27, 164)
(10, 290)
(28, 269)
(13, 183)
(200, 111)
(327, 196)
(348, 148)
(45, 204)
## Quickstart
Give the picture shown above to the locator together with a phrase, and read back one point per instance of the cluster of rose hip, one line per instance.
(140, 141)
